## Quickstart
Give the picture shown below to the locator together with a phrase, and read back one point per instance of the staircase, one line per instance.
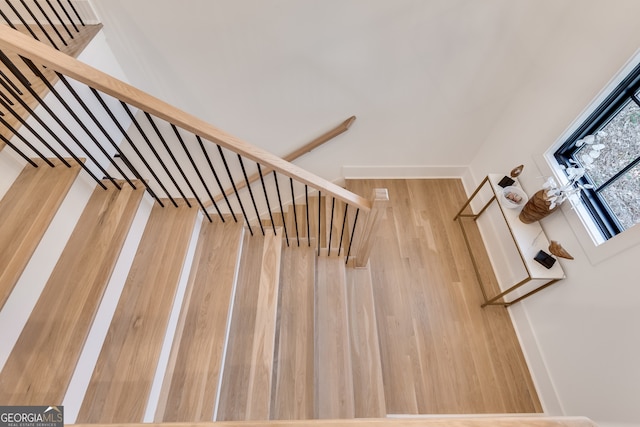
(229, 297)
(264, 326)
(124, 302)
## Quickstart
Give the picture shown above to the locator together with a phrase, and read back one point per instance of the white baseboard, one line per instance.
(403, 172)
(551, 404)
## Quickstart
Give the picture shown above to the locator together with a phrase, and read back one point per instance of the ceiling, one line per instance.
(427, 79)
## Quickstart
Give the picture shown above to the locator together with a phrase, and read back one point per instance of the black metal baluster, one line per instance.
(36, 134)
(344, 222)
(6, 98)
(193, 164)
(266, 198)
(147, 141)
(253, 200)
(295, 215)
(7, 20)
(306, 198)
(353, 232)
(23, 139)
(76, 12)
(50, 22)
(333, 205)
(57, 119)
(235, 190)
(126, 136)
(68, 16)
(39, 25)
(24, 156)
(97, 122)
(284, 223)
(175, 162)
(62, 101)
(12, 84)
(53, 134)
(59, 18)
(22, 20)
(15, 71)
(319, 218)
(215, 175)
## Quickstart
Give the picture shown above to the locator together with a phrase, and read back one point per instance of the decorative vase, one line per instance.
(536, 208)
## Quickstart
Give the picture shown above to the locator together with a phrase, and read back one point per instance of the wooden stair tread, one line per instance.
(247, 379)
(292, 397)
(193, 374)
(368, 386)
(125, 369)
(26, 211)
(52, 340)
(333, 371)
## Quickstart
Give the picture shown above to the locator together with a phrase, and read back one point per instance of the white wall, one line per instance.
(426, 78)
(585, 328)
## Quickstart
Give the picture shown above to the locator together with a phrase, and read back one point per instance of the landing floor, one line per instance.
(441, 353)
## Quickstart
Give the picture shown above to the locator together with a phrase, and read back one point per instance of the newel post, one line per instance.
(380, 198)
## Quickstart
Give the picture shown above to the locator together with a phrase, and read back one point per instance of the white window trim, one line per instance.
(595, 246)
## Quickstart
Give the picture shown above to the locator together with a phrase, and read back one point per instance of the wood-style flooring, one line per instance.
(441, 352)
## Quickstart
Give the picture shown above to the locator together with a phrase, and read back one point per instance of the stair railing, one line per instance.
(127, 134)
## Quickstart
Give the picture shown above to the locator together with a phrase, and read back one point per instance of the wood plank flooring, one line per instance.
(441, 353)
(42, 362)
(26, 211)
(125, 369)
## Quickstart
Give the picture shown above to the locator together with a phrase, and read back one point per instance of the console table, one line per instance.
(528, 239)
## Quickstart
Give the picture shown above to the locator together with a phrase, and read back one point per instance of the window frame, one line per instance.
(625, 91)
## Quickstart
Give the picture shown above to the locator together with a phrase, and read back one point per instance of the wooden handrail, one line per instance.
(29, 48)
(325, 137)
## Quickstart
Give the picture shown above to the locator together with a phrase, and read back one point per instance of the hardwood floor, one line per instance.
(441, 353)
